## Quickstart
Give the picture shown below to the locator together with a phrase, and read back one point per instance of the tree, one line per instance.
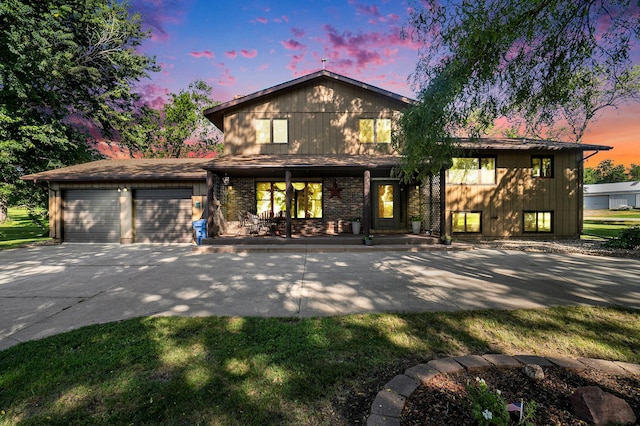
(64, 65)
(535, 62)
(590, 176)
(180, 129)
(634, 172)
(611, 173)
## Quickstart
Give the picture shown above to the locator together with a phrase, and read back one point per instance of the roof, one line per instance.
(610, 188)
(334, 164)
(129, 169)
(502, 144)
(216, 113)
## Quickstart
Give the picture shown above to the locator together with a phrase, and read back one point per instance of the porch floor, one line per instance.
(323, 243)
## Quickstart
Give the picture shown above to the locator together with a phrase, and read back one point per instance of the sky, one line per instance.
(240, 48)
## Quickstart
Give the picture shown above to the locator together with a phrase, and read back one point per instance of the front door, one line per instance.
(386, 204)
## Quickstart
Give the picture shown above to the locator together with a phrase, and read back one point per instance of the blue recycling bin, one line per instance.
(201, 229)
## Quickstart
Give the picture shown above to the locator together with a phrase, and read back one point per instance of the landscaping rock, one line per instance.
(592, 404)
(534, 372)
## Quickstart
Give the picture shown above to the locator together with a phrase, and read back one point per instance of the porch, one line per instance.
(325, 243)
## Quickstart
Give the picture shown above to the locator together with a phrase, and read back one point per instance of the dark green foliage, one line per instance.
(534, 62)
(629, 239)
(66, 66)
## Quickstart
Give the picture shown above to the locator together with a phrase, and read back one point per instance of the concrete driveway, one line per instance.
(52, 289)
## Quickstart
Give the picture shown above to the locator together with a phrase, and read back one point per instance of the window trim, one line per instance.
(479, 158)
(541, 158)
(537, 231)
(375, 129)
(271, 130)
(466, 212)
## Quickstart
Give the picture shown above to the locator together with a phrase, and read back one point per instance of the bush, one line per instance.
(629, 239)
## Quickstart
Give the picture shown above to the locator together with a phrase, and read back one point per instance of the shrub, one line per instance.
(629, 239)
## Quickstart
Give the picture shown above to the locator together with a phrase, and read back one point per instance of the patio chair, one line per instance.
(255, 225)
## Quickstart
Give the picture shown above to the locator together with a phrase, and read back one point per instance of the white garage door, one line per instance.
(163, 215)
(91, 216)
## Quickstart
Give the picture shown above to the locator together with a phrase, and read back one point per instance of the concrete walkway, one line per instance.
(52, 289)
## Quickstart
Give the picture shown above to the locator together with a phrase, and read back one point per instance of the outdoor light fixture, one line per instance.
(225, 180)
(125, 189)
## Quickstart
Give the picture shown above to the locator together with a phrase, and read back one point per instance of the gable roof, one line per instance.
(129, 169)
(521, 144)
(611, 188)
(216, 113)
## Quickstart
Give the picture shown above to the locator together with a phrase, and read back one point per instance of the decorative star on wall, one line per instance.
(335, 190)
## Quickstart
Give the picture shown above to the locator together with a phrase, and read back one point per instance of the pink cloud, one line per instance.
(205, 53)
(227, 79)
(231, 54)
(292, 44)
(263, 67)
(249, 53)
(262, 20)
(153, 95)
(298, 32)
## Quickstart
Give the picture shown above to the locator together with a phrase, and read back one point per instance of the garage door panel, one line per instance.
(91, 216)
(163, 216)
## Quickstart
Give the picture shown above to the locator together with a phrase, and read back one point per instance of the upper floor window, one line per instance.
(375, 130)
(538, 221)
(542, 167)
(472, 171)
(272, 130)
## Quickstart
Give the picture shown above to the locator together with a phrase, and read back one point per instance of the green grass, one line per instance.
(257, 371)
(19, 230)
(608, 223)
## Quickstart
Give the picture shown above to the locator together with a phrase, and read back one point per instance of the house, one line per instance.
(613, 196)
(312, 153)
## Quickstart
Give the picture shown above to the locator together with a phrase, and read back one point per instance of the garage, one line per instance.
(91, 216)
(163, 215)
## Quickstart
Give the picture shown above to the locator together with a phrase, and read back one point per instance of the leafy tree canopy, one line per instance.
(180, 129)
(608, 172)
(536, 62)
(64, 64)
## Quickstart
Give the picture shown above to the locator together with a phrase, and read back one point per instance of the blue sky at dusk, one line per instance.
(242, 47)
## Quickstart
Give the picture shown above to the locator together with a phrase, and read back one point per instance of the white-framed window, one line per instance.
(538, 221)
(472, 171)
(375, 130)
(272, 130)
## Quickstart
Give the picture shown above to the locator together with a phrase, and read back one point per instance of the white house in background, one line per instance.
(612, 195)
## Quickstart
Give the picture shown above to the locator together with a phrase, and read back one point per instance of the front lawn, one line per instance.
(19, 229)
(259, 371)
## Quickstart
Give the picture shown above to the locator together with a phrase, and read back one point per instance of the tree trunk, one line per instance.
(3, 210)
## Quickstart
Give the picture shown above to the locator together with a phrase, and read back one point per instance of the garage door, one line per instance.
(91, 216)
(162, 215)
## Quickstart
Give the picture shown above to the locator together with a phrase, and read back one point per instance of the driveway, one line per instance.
(52, 289)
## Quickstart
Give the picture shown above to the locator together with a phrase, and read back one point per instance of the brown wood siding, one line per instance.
(323, 119)
(502, 205)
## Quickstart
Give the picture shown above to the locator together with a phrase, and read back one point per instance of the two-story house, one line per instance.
(311, 154)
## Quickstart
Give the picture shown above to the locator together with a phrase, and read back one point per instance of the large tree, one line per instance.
(180, 129)
(64, 65)
(538, 63)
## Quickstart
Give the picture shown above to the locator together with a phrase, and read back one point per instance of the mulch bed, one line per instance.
(443, 399)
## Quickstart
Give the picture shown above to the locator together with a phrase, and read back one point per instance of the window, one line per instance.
(375, 130)
(472, 171)
(306, 200)
(542, 167)
(272, 130)
(538, 221)
(466, 222)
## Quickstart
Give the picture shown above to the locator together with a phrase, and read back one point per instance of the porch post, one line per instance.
(211, 208)
(443, 203)
(366, 215)
(288, 196)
